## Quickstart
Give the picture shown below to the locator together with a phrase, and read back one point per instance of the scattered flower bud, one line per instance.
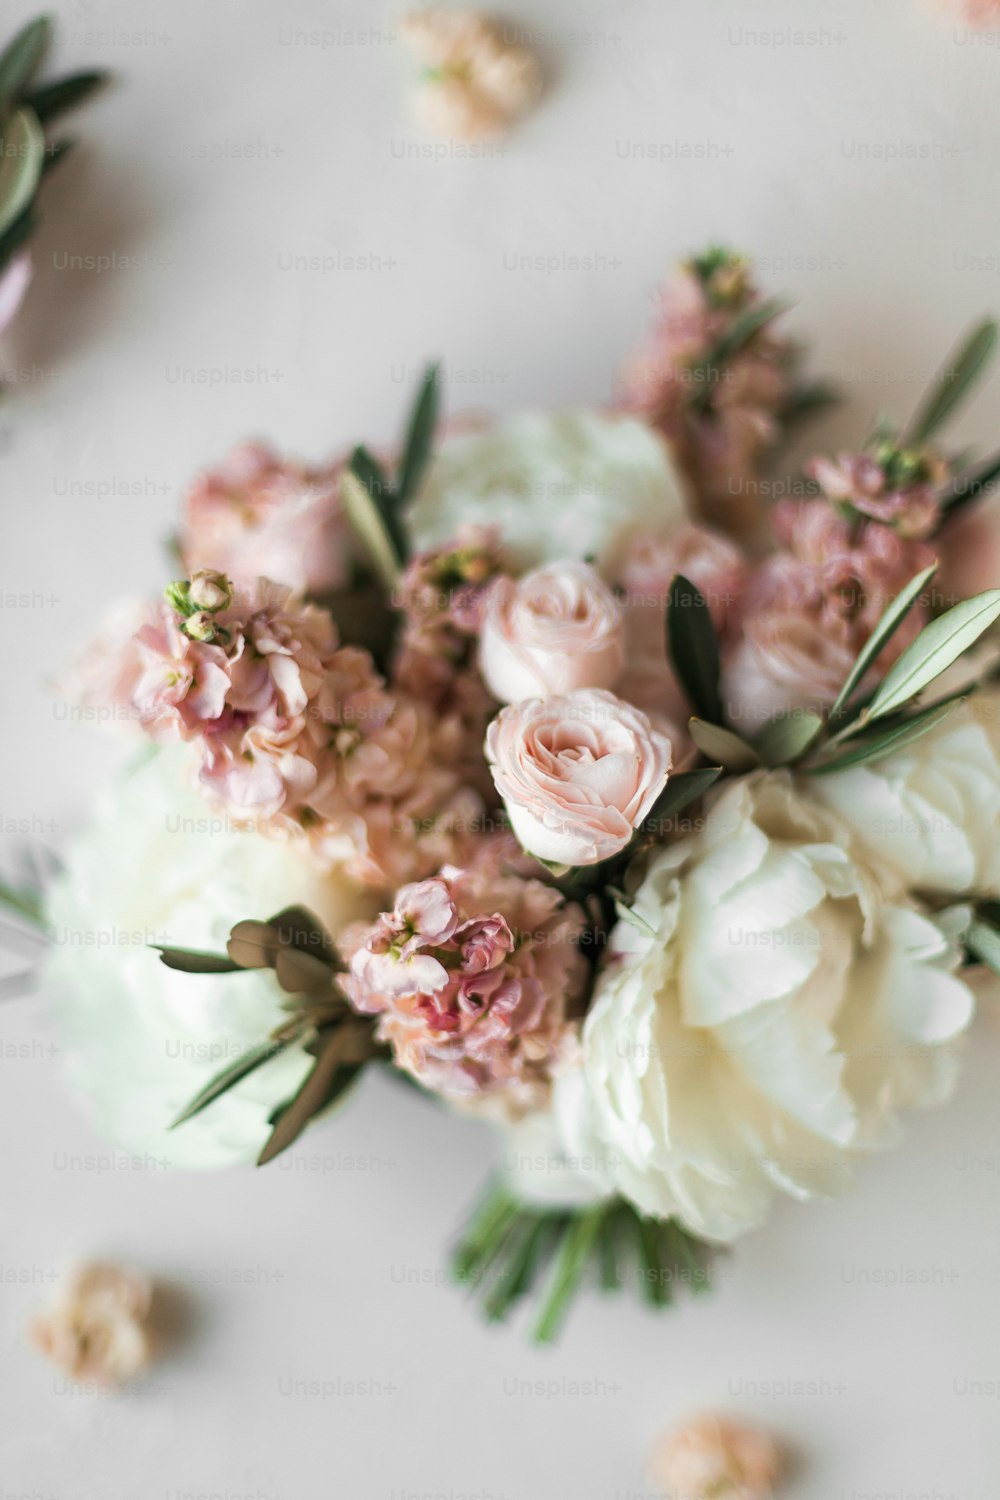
(477, 81)
(200, 626)
(210, 591)
(96, 1329)
(712, 1458)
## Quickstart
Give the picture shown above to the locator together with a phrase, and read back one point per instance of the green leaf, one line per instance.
(328, 1078)
(193, 961)
(65, 93)
(745, 328)
(971, 485)
(983, 942)
(786, 737)
(874, 747)
(371, 474)
(570, 1265)
(692, 647)
(368, 522)
(26, 903)
(251, 1060)
(420, 435)
(21, 162)
(682, 788)
(882, 634)
(723, 746)
(938, 645)
(297, 926)
(954, 382)
(21, 60)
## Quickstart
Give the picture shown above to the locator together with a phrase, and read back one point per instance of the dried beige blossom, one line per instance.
(713, 1458)
(478, 80)
(96, 1328)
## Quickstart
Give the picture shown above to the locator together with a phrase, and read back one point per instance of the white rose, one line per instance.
(931, 812)
(554, 630)
(772, 1023)
(158, 865)
(576, 484)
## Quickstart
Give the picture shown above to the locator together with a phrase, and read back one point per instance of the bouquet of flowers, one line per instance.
(543, 765)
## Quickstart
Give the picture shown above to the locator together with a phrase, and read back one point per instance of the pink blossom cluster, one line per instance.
(258, 515)
(476, 975)
(298, 732)
(721, 415)
(892, 486)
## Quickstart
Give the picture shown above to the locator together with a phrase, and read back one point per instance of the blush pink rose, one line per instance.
(577, 773)
(258, 515)
(556, 629)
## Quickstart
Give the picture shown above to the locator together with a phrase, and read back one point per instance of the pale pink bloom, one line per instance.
(577, 773)
(257, 515)
(478, 80)
(557, 629)
(96, 1328)
(968, 549)
(475, 974)
(101, 680)
(810, 609)
(713, 1458)
(716, 567)
(859, 481)
(14, 283)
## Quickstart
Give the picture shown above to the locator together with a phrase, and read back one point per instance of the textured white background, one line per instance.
(861, 167)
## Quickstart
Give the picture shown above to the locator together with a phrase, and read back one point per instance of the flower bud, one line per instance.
(210, 591)
(200, 626)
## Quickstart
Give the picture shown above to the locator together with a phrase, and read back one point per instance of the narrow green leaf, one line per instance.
(874, 747)
(954, 382)
(882, 634)
(682, 788)
(983, 942)
(938, 645)
(250, 1061)
(723, 746)
(22, 156)
(21, 60)
(420, 435)
(692, 647)
(328, 1078)
(786, 737)
(744, 328)
(192, 961)
(27, 904)
(570, 1266)
(369, 527)
(490, 1220)
(970, 485)
(56, 153)
(626, 914)
(52, 99)
(523, 1257)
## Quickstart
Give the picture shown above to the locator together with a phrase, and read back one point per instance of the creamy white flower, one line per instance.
(577, 484)
(97, 1325)
(157, 865)
(931, 812)
(779, 1009)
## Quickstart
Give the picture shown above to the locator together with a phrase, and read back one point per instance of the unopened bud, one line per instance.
(200, 626)
(210, 591)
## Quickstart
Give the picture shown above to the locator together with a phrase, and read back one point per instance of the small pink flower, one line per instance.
(256, 515)
(475, 975)
(577, 773)
(712, 1458)
(894, 488)
(556, 629)
(96, 1329)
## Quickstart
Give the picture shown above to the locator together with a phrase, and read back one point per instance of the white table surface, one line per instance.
(860, 165)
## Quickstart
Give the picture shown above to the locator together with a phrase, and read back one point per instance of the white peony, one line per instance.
(931, 812)
(157, 865)
(578, 484)
(779, 1009)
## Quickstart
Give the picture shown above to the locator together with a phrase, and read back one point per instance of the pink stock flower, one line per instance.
(577, 773)
(810, 609)
(895, 488)
(716, 567)
(256, 515)
(557, 629)
(299, 733)
(475, 975)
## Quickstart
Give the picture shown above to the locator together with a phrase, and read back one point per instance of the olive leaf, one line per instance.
(875, 746)
(938, 645)
(723, 746)
(788, 736)
(882, 634)
(249, 1062)
(682, 788)
(22, 156)
(194, 961)
(51, 99)
(692, 647)
(21, 59)
(420, 435)
(369, 518)
(954, 382)
(338, 1062)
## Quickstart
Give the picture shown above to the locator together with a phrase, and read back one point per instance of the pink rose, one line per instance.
(256, 515)
(577, 773)
(556, 629)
